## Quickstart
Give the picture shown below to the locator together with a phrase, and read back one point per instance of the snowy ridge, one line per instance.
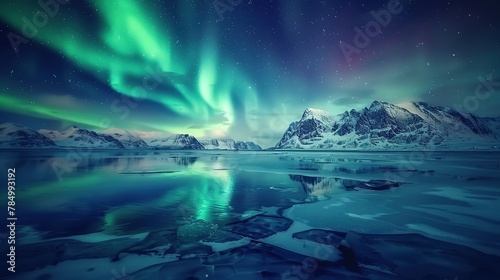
(18, 136)
(387, 126)
(228, 144)
(80, 137)
(218, 144)
(14, 135)
(493, 124)
(321, 115)
(177, 142)
(248, 145)
(129, 139)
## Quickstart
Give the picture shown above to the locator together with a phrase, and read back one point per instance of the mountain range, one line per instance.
(229, 144)
(19, 136)
(413, 125)
(383, 125)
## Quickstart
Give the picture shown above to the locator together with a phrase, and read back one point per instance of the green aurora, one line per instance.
(176, 67)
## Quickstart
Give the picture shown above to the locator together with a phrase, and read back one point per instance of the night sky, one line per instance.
(240, 69)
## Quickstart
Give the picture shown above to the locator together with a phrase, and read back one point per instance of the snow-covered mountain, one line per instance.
(248, 145)
(129, 140)
(18, 136)
(80, 137)
(13, 135)
(218, 144)
(228, 144)
(387, 126)
(177, 142)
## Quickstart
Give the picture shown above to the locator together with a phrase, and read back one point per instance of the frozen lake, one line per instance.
(255, 215)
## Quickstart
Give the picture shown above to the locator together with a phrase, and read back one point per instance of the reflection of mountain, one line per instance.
(317, 186)
(184, 161)
(320, 186)
(317, 159)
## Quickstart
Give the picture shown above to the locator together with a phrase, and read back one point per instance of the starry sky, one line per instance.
(239, 68)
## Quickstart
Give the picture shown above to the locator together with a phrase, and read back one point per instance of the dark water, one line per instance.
(442, 196)
(138, 192)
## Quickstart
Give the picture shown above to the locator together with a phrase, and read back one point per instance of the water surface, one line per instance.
(444, 196)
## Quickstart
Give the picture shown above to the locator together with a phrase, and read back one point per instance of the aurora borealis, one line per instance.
(179, 67)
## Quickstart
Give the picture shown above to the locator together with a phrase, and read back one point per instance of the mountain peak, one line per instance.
(377, 103)
(319, 114)
(314, 111)
(71, 129)
(181, 135)
(178, 142)
(114, 131)
(421, 104)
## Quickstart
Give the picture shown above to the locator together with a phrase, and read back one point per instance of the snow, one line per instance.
(228, 144)
(15, 135)
(221, 246)
(52, 134)
(218, 144)
(410, 125)
(178, 141)
(412, 108)
(7, 128)
(340, 217)
(151, 135)
(115, 131)
(304, 247)
(114, 138)
(80, 137)
(319, 114)
(128, 139)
